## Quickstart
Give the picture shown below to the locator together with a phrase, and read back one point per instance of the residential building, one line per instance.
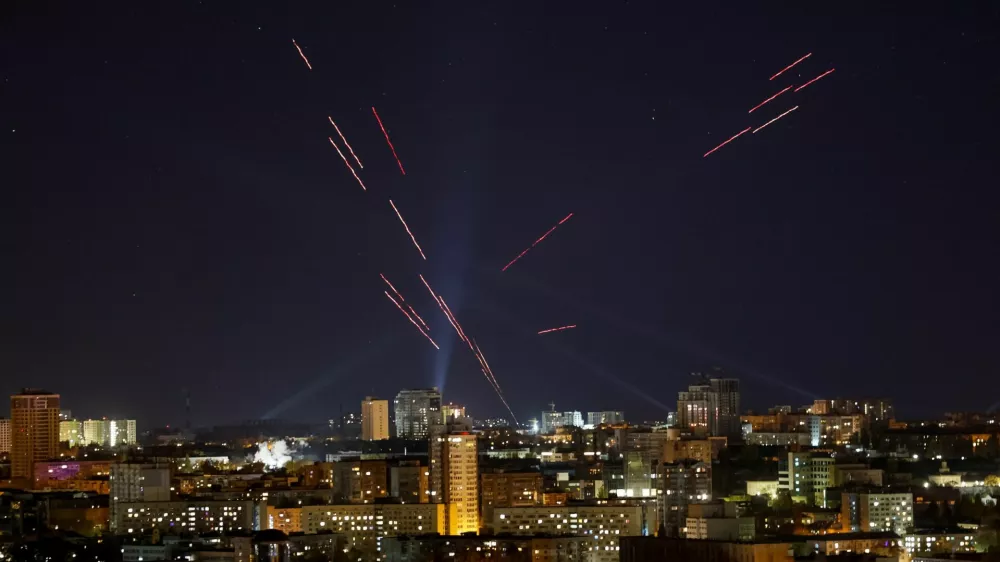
(508, 489)
(683, 484)
(603, 525)
(696, 409)
(452, 411)
(711, 406)
(192, 516)
(136, 482)
(106, 433)
(858, 474)
(718, 521)
(552, 420)
(876, 510)
(364, 526)
(374, 419)
(416, 410)
(361, 481)
(508, 549)
(34, 428)
(5, 435)
(609, 417)
(461, 482)
(71, 432)
(408, 481)
(727, 392)
(814, 429)
(807, 475)
(926, 543)
(658, 549)
(775, 439)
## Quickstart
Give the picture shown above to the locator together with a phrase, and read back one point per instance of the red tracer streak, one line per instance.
(731, 139)
(535, 243)
(410, 318)
(360, 165)
(347, 163)
(301, 54)
(815, 79)
(407, 229)
(770, 98)
(775, 119)
(557, 329)
(791, 65)
(392, 148)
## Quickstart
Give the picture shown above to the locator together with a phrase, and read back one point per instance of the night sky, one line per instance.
(174, 217)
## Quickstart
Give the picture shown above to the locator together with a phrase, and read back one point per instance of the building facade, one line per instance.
(602, 525)
(4, 435)
(876, 511)
(461, 486)
(136, 482)
(807, 475)
(374, 419)
(683, 484)
(34, 426)
(610, 417)
(416, 410)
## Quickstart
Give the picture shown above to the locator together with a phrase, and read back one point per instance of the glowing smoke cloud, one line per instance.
(274, 454)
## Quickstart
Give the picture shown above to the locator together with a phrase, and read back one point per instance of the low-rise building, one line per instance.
(762, 488)
(659, 549)
(876, 511)
(508, 549)
(364, 526)
(602, 525)
(927, 543)
(202, 516)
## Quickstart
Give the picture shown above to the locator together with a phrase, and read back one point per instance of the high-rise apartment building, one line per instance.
(416, 410)
(34, 417)
(4, 435)
(606, 417)
(71, 432)
(106, 433)
(727, 392)
(461, 483)
(710, 407)
(136, 482)
(684, 483)
(374, 419)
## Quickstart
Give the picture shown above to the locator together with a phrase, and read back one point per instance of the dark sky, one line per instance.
(173, 215)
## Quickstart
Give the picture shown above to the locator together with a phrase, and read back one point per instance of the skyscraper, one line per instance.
(711, 406)
(4, 435)
(416, 410)
(727, 400)
(461, 483)
(374, 419)
(34, 430)
(696, 408)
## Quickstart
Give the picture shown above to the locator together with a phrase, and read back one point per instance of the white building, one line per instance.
(873, 512)
(807, 475)
(105, 433)
(603, 524)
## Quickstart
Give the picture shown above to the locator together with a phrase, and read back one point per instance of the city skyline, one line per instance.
(199, 232)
